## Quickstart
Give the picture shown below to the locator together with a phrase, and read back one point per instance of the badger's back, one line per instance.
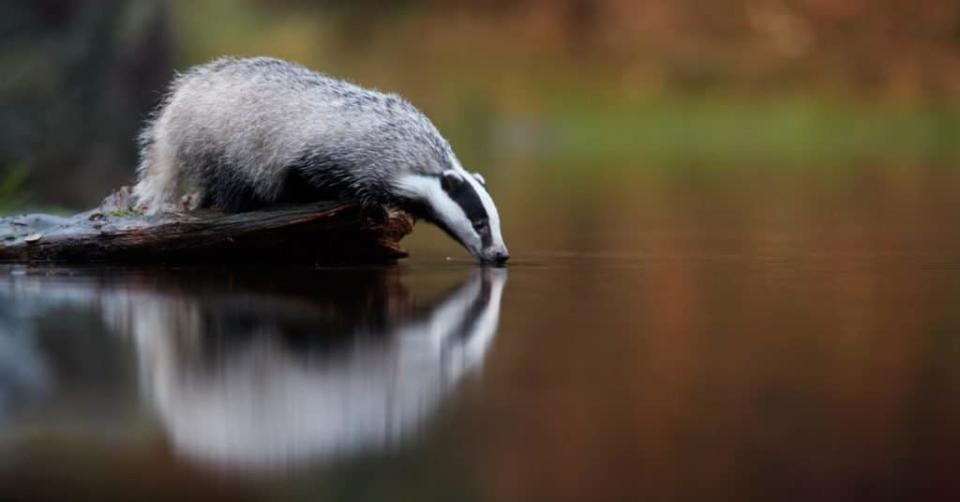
(248, 132)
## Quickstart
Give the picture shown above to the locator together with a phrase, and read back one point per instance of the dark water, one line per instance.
(684, 334)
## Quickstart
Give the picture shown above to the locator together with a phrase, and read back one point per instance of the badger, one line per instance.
(246, 133)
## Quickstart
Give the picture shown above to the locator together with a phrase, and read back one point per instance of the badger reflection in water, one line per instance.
(259, 383)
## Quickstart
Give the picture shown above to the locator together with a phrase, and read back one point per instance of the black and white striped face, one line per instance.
(458, 203)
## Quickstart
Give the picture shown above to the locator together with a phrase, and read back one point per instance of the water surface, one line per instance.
(692, 332)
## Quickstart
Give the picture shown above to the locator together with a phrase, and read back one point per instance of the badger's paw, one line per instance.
(149, 200)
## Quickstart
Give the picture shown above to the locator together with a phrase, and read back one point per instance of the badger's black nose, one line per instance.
(494, 257)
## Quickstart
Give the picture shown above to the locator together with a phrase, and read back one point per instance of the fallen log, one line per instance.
(316, 233)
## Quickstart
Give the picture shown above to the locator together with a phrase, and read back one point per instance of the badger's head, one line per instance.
(458, 202)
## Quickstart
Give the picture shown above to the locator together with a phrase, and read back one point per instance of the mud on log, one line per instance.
(318, 233)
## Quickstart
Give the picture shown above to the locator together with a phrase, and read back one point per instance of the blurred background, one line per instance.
(573, 83)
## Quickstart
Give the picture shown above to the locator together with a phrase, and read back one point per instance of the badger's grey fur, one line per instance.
(245, 133)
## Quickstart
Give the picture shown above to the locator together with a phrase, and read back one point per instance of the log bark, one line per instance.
(317, 233)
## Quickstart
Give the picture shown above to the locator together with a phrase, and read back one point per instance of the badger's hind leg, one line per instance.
(159, 175)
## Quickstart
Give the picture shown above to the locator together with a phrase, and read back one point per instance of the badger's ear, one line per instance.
(479, 178)
(450, 180)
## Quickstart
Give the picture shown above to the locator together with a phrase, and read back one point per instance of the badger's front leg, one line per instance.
(159, 175)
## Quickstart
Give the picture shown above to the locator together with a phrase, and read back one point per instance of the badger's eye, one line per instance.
(481, 226)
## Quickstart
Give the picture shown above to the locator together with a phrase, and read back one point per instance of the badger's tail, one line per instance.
(157, 173)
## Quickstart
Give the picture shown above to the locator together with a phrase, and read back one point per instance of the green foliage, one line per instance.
(788, 130)
(12, 182)
(122, 213)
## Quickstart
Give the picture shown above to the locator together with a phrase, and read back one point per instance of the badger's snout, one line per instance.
(495, 256)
